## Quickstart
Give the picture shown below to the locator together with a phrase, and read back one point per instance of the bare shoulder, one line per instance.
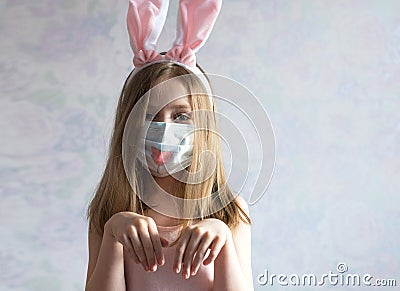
(242, 229)
(242, 203)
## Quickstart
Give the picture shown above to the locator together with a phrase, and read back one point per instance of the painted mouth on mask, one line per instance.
(160, 157)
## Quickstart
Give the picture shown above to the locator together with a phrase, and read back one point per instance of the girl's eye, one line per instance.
(182, 117)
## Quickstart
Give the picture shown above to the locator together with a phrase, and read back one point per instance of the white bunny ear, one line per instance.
(145, 21)
(196, 19)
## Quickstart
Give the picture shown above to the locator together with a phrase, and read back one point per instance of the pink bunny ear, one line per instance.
(196, 19)
(145, 21)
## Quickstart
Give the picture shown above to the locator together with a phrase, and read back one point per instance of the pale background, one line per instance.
(327, 72)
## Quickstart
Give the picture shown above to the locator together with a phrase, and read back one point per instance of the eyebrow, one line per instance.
(181, 106)
(174, 107)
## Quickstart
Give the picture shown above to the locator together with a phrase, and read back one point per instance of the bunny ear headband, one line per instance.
(146, 19)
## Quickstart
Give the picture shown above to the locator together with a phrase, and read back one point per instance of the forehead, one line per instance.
(166, 94)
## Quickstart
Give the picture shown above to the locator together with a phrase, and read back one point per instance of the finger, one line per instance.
(180, 249)
(129, 248)
(155, 238)
(189, 253)
(215, 249)
(148, 249)
(200, 254)
(138, 248)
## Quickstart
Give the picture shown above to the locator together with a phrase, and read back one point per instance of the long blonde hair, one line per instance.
(115, 194)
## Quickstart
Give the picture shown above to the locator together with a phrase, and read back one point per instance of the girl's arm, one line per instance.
(232, 267)
(106, 264)
(129, 231)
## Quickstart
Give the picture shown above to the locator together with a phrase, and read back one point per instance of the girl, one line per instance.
(163, 217)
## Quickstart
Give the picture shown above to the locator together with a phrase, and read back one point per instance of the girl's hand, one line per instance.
(195, 241)
(139, 236)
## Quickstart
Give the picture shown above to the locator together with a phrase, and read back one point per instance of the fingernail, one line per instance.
(154, 268)
(186, 275)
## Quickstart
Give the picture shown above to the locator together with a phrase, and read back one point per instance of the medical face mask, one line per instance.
(168, 147)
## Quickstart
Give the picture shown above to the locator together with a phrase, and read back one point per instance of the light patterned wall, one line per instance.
(327, 72)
